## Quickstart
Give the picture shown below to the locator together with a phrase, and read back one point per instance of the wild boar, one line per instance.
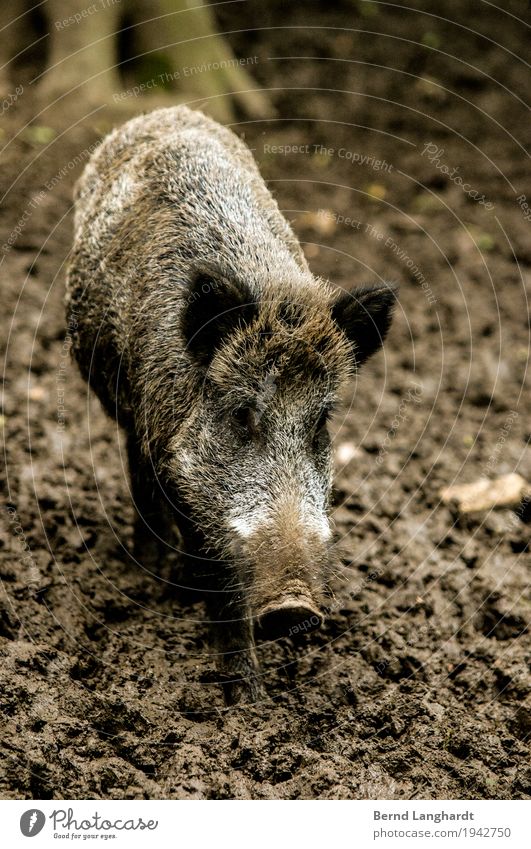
(202, 330)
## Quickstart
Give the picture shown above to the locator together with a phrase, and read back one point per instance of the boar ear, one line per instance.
(365, 316)
(213, 308)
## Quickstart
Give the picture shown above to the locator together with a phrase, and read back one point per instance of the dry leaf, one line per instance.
(483, 495)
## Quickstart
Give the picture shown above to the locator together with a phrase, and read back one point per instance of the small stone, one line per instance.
(347, 451)
(37, 393)
(322, 222)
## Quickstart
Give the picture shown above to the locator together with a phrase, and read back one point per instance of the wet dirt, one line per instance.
(418, 684)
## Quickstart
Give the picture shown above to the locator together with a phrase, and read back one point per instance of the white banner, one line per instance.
(266, 824)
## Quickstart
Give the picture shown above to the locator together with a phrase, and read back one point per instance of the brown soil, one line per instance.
(417, 684)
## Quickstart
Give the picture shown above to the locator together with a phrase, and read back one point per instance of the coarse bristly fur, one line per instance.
(202, 330)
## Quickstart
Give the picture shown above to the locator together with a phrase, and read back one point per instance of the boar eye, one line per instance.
(245, 420)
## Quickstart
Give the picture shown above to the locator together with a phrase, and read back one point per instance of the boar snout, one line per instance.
(287, 563)
(287, 617)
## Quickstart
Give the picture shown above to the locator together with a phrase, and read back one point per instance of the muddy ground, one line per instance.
(418, 685)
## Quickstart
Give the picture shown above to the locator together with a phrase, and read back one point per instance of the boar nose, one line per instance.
(289, 616)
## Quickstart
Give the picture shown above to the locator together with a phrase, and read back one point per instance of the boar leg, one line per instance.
(233, 641)
(153, 531)
(229, 613)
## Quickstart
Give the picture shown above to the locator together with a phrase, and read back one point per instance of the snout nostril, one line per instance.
(289, 618)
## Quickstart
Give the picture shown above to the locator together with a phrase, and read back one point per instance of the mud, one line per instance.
(418, 684)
